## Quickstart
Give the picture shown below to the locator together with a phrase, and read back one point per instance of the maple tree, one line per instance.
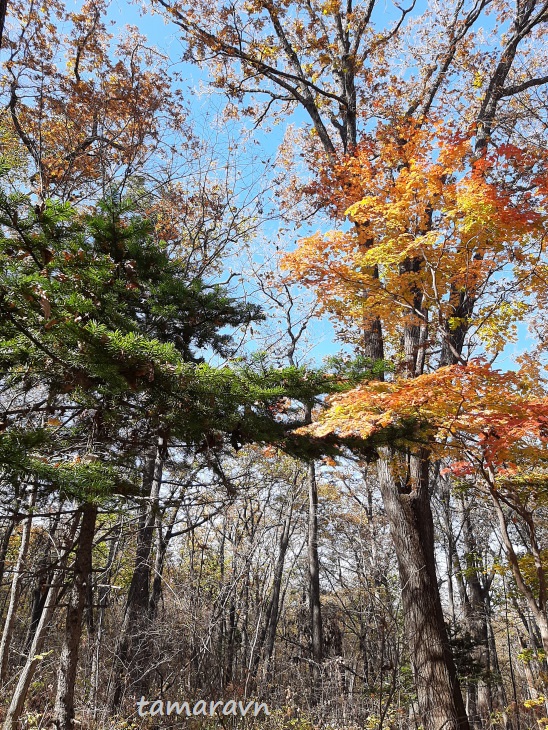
(440, 236)
(479, 420)
(448, 252)
(438, 171)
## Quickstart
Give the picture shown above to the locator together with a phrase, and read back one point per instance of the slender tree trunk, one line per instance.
(39, 594)
(15, 590)
(4, 545)
(103, 596)
(25, 678)
(244, 657)
(537, 603)
(162, 543)
(33, 659)
(231, 640)
(7, 533)
(43, 578)
(274, 604)
(68, 662)
(477, 626)
(264, 647)
(316, 629)
(222, 623)
(451, 547)
(408, 509)
(131, 649)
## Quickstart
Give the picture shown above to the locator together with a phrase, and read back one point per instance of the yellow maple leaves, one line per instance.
(430, 220)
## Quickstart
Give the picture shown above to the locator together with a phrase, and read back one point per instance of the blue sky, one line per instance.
(166, 38)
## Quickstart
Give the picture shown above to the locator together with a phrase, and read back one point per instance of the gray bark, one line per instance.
(131, 649)
(8, 531)
(268, 636)
(97, 634)
(316, 629)
(408, 509)
(34, 657)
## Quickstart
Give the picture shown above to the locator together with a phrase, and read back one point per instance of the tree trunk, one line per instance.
(475, 612)
(231, 638)
(271, 619)
(103, 596)
(162, 543)
(408, 509)
(25, 678)
(3, 11)
(68, 662)
(44, 573)
(537, 603)
(316, 630)
(131, 649)
(7, 533)
(15, 591)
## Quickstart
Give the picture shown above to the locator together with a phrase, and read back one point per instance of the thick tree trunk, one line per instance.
(373, 347)
(68, 662)
(3, 12)
(408, 509)
(15, 591)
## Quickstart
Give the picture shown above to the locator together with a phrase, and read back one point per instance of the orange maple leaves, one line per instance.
(472, 411)
(430, 220)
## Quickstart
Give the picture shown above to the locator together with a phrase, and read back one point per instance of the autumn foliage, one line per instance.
(433, 222)
(461, 411)
(87, 107)
(189, 505)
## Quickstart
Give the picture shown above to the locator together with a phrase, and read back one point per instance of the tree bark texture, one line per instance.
(7, 533)
(316, 629)
(476, 620)
(3, 12)
(267, 637)
(34, 656)
(408, 509)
